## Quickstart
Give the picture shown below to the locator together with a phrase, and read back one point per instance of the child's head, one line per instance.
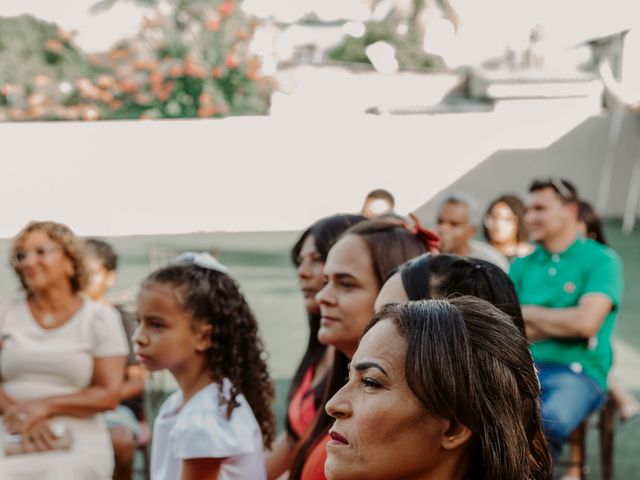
(194, 313)
(101, 262)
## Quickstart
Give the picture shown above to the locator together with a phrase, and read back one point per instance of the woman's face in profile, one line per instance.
(346, 301)
(382, 430)
(309, 265)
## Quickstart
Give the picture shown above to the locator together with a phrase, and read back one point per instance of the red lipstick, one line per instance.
(337, 439)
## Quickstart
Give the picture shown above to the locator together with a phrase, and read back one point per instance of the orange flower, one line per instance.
(212, 24)
(41, 80)
(115, 105)
(175, 71)
(242, 35)
(105, 81)
(128, 86)
(54, 45)
(207, 111)
(231, 61)
(155, 77)
(119, 54)
(216, 72)
(106, 96)
(226, 9)
(192, 69)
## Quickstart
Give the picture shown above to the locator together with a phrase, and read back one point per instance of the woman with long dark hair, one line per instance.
(356, 268)
(309, 255)
(439, 389)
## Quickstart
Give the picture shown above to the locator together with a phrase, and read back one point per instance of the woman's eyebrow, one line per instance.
(362, 366)
(344, 276)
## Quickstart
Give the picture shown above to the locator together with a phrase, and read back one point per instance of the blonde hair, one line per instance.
(71, 245)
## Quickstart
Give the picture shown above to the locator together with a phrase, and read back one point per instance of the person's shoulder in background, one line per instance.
(486, 252)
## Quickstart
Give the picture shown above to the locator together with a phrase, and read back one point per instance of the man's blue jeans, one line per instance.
(567, 397)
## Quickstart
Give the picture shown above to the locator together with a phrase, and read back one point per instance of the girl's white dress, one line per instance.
(200, 429)
(37, 363)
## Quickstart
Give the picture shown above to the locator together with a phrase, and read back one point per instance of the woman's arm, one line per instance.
(201, 468)
(133, 384)
(280, 457)
(103, 394)
(6, 401)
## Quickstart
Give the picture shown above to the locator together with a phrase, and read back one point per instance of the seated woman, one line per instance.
(62, 362)
(439, 389)
(504, 227)
(356, 268)
(309, 255)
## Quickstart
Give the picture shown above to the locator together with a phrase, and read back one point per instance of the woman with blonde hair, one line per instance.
(62, 362)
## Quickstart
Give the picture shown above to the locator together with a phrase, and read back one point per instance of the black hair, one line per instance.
(382, 194)
(466, 362)
(446, 276)
(325, 232)
(588, 216)
(103, 251)
(389, 245)
(237, 351)
(563, 188)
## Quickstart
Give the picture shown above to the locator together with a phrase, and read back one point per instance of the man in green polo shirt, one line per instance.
(570, 290)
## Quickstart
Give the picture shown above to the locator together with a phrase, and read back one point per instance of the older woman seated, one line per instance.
(62, 361)
(439, 389)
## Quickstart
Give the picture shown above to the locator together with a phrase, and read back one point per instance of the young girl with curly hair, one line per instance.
(194, 321)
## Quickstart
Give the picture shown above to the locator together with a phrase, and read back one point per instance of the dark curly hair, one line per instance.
(237, 352)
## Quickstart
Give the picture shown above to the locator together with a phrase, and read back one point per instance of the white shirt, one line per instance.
(201, 429)
(486, 252)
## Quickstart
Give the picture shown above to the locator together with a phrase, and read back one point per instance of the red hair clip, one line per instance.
(430, 238)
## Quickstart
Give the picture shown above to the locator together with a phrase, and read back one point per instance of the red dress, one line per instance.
(314, 465)
(302, 408)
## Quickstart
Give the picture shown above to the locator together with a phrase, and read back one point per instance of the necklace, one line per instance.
(48, 320)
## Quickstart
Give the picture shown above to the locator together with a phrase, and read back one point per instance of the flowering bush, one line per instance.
(189, 59)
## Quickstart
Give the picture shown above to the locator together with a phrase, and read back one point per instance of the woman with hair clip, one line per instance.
(439, 390)
(445, 276)
(356, 268)
(309, 255)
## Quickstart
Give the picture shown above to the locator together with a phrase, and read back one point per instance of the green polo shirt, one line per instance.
(559, 281)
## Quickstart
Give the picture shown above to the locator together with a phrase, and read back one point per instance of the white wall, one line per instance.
(577, 156)
(265, 173)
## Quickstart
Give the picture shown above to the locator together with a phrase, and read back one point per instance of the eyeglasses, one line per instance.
(20, 256)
